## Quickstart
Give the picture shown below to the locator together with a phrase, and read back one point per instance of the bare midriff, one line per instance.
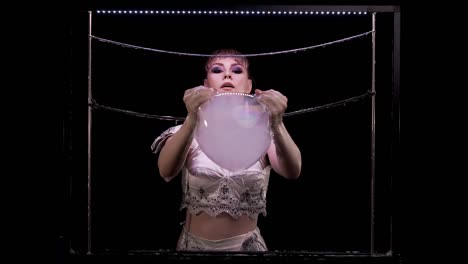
(218, 227)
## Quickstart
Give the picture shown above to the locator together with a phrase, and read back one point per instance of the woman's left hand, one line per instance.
(275, 103)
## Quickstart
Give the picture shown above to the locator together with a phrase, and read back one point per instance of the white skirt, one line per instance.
(251, 241)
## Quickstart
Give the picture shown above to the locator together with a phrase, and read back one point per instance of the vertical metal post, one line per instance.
(372, 222)
(395, 108)
(90, 98)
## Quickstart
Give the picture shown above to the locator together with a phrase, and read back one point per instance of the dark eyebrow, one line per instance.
(237, 64)
(222, 65)
(218, 64)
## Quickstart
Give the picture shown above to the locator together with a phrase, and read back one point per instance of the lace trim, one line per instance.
(249, 203)
(235, 212)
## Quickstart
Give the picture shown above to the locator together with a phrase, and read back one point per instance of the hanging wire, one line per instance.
(96, 105)
(331, 105)
(232, 55)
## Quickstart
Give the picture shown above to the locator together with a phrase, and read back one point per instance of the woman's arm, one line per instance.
(175, 150)
(283, 153)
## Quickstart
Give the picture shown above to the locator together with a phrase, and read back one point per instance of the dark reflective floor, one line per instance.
(216, 257)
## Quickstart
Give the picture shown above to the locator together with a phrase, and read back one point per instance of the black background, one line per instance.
(329, 205)
(45, 51)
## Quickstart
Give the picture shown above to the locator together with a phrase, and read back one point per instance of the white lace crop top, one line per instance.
(208, 187)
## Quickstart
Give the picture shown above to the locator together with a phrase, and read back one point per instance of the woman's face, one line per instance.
(227, 75)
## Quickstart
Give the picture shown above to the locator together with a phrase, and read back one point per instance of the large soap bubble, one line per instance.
(233, 130)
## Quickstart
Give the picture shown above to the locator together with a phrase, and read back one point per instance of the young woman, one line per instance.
(222, 211)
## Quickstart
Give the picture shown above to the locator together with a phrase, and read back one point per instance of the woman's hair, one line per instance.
(224, 53)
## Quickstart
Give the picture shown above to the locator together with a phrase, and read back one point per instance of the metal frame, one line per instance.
(395, 99)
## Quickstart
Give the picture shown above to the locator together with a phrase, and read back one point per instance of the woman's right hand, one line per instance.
(195, 97)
